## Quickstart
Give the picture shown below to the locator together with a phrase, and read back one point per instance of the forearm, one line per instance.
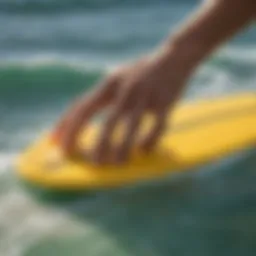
(214, 23)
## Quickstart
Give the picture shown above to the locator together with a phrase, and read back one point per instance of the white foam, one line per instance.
(76, 62)
(24, 222)
(236, 54)
(240, 54)
(6, 161)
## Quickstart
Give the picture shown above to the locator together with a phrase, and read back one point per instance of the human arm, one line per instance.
(154, 83)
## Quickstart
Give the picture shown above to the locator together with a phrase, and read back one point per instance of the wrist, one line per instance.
(186, 53)
(212, 25)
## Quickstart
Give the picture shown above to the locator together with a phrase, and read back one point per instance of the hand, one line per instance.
(152, 84)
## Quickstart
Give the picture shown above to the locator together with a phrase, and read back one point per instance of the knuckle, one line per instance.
(125, 99)
(113, 78)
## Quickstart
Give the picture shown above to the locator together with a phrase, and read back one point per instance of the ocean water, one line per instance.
(50, 52)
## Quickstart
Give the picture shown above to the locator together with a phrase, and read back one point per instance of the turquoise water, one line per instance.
(50, 52)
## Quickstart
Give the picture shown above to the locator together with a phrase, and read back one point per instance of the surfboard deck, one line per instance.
(198, 132)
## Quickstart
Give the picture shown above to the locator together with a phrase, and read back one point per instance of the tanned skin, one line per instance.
(152, 84)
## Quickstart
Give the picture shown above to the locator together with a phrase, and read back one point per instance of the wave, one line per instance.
(49, 72)
(230, 68)
(25, 86)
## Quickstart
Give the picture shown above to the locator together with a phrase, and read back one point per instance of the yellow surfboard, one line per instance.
(198, 132)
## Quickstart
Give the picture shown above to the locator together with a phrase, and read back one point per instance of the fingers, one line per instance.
(151, 139)
(100, 154)
(60, 128)
(134, 119)
(81, 113)
(105, 150)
